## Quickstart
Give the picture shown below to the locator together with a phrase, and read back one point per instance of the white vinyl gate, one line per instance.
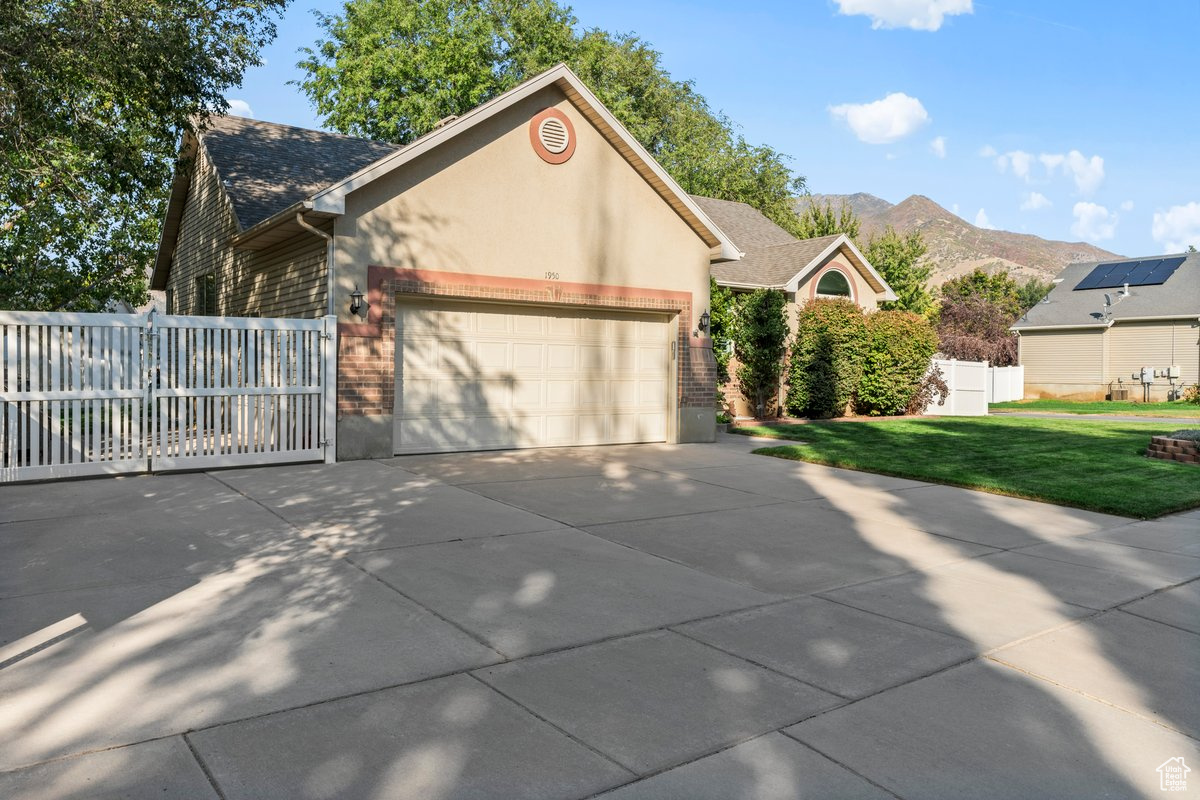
(96, 394)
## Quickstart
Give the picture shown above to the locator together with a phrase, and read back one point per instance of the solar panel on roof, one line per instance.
(1163, 271)
(1133, 274)
(1148, 272)
(1094, 277)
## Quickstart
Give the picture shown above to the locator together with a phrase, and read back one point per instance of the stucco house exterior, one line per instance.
(1074, 344)
(827, 266)
(531, 276)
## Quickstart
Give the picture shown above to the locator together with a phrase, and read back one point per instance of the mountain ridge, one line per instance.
(955, 246)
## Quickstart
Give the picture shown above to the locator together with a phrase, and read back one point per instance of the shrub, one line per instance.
(827, 358)
(975, 329)
(1192, 394)
(899, 345)
(759, 341)
(1190, 434)
(933, 387)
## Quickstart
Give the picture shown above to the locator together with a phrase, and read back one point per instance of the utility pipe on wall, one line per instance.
(328, 237)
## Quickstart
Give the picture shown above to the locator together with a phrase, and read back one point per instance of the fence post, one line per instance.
(329, 345)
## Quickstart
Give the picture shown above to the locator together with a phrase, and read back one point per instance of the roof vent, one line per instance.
(552, 136)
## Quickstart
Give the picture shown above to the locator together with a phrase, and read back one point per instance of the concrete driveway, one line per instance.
(629, 622)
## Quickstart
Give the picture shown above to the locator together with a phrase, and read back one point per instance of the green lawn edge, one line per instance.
(1175, 487)
(1084, 408)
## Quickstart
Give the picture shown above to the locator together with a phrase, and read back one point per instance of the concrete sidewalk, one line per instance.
(627, 622)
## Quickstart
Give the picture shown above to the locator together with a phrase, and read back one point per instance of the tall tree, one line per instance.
(824, 220)
(93, 99)
(1032, 292)
(997, 288)
(760, 335)
(391, 69)
(899, 260)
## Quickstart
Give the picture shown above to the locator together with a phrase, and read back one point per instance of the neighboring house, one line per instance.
(534, 277)
(1075, 344)
(828, 266)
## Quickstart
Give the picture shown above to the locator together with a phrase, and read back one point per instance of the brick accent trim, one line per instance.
(366, 351)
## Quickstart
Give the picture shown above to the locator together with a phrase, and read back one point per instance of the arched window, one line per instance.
(833, 284)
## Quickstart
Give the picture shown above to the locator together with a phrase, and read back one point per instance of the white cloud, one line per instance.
(1019, 160)
(883, 121)
(240, 108)
(1087, 172)
(890, 156)
(954, 208)
(1093, 222)
(1177, 227)
(1127, 205)
(920, 15)
(982, 221)
(938, 146)
(1035, 201)
(1051, 161)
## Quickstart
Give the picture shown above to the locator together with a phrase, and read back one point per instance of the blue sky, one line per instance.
(1069, 120)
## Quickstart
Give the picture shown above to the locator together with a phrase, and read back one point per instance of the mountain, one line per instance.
(956, 247)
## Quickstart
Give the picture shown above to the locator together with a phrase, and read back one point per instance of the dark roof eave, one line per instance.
(250, 238)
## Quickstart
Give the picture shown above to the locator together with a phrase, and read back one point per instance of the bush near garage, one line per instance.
(759, 335)
(899, 346)
(827, 356)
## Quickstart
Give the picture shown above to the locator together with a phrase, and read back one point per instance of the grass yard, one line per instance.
(1097, 465)
(1131, 409)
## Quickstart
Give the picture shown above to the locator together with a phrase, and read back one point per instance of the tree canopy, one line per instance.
(392, 69)
(823, 220)
(93, 99)
(898, 258)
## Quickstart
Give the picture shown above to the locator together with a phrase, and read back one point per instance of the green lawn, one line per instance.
(1082, 463)
(1176, 409)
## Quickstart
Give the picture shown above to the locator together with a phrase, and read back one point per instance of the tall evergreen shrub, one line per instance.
(827, 358)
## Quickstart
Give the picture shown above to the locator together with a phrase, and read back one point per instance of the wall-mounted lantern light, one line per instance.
(358, 306)
(705, 319)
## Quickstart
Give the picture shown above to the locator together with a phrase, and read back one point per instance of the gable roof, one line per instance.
(775, 258)
(274, 172)
(744, 223)
(267, 167)
(1066, 307)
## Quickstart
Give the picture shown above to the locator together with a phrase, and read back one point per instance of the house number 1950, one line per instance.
(551, 276)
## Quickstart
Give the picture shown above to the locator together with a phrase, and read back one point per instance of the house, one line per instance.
(1106, 322)
(529, 275)
(827, 266)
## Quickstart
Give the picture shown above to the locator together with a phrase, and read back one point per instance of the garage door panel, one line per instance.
(560, 393)
(528, 356)
(476, 376)
(562, 357)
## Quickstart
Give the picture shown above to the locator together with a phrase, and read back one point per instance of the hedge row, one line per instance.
(843, 358)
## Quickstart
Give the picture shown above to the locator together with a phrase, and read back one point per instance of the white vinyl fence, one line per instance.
(968, 382)
(90, 394)
(1005, 384)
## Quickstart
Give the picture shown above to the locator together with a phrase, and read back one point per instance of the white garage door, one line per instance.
(471, 376)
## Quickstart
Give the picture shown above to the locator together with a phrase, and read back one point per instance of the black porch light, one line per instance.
(357, 306)
(705, 319)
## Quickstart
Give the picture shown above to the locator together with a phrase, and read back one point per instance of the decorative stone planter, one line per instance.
(1186, 451)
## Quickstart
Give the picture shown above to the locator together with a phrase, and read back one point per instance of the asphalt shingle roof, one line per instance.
(773, 256)
(267, 167)
(743, 223)
(1178, 297)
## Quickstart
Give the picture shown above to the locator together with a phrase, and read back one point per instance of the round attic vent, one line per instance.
(552, 136)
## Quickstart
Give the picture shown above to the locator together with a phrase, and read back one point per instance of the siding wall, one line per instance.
(1133, 345)
(1063, 357)
(287, 280)
(1088, 363)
